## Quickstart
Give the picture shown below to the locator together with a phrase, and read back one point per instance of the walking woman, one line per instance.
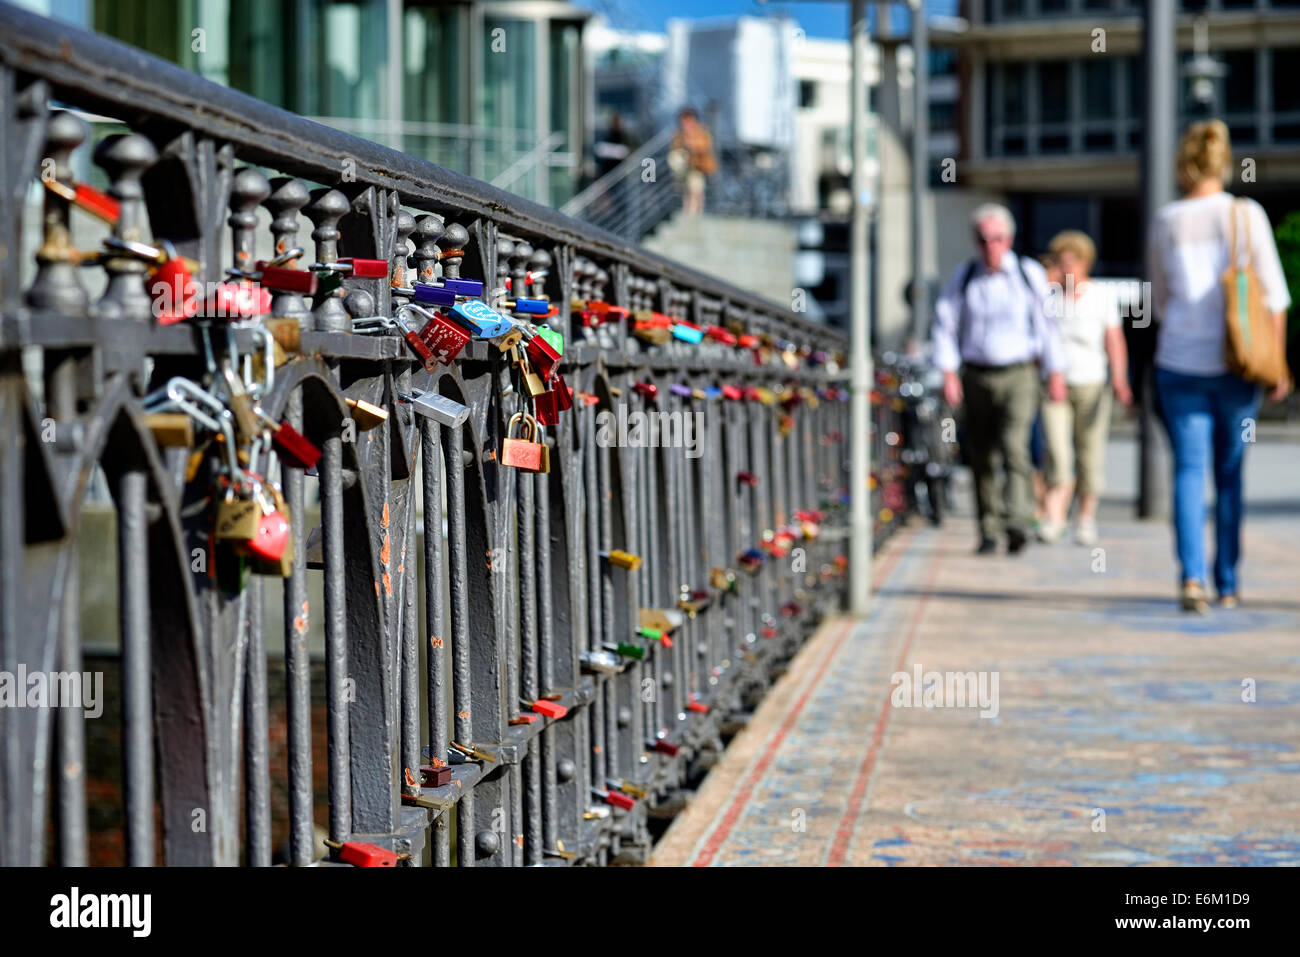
(1208, 411)
(1076, 428)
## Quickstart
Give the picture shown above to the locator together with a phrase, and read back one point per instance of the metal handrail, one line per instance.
(522, 586)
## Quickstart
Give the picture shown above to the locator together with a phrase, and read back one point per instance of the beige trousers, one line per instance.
(1076, 437)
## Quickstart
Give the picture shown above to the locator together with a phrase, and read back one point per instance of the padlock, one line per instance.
(549, 709)
(88, 198)
(687, 332)
(470, 752)
(427, 294)
(176, 296)
(601, 662)
(468, 288)
(361, 854)
(627, 650)
(719, 334)
(733, 392)
(542, 355)
(283, 279)
(171, 429)
(553, 338)
(660, 746)
(699, 707)
(647, 389)
(624, 560)
(240, 300)
(548, 406)
(659, 620)
(678, 388)
(366, 415)
(360, 268)
(443, 337)
(747, 341)
(238, 518)
(615, 799)
(748, 478)
(533, 383)
(442, 409)
(510, 338)
(282, 566)
(435, 775)
(531, 307)
(480, 319)
(524, 453)
(268, 543)
(295, 449)
(627, 787)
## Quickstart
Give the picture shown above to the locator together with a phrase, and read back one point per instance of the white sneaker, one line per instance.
(1086, 531)
(1050, 531)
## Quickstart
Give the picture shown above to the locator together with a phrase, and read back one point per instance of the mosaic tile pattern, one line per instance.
(1121, 738)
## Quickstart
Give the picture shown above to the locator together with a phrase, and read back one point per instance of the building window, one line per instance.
(807, 94)
(943, 117)
(1286, 96)
(1054, 91)
(943, 61)
(1098, 89)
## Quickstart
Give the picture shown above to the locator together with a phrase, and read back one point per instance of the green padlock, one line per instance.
(552, 338)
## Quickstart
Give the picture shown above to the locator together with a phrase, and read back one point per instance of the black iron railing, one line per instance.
(560, 652)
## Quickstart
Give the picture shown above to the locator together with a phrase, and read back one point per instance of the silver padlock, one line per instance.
(441, 409)
(601, 662)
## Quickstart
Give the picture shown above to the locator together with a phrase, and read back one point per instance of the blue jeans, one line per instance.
(1204, 416)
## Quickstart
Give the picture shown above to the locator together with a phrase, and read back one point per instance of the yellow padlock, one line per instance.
(624, 560)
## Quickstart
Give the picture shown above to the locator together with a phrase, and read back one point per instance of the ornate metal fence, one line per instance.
(557, 692)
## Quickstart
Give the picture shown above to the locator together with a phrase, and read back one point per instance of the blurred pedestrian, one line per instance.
(614, 146)
(691, 158)
(991, 324)
(1208, 410)
(1077, 427)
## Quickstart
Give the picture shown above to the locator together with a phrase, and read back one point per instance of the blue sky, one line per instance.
(820, 18)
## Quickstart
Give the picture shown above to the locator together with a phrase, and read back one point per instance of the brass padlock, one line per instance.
(624, 560)
(366, 415)
(238, 517)
(287, 334)
(171, 430)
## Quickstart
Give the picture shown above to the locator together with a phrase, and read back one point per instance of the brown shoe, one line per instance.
(1229, 601)
(1193, 598)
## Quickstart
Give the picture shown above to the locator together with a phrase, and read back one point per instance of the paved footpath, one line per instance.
(1121, 735)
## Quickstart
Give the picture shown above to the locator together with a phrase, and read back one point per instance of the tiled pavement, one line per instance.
(1121, 735)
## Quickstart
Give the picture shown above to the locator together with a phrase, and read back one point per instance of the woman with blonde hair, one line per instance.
(1077, 427)
(1207, 409)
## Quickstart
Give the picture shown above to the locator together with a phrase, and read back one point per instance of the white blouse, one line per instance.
(1187, 252)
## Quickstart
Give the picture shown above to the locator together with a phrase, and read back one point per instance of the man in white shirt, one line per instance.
(991, 324)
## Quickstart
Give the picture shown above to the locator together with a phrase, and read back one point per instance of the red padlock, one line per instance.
(294, 448)
(732, 392)
(283, 279)
(444, 338)
(422, 350)
(699, 707)
(542, 357)
(237, 300)
(435, 775)
(367, 268)
(661, 746)
(749, 478)
(361, 854)
(748, 342)
(175, 293)
(719, 334)
(551, 709)
(271, 537)
(647, 389)
(615, 799)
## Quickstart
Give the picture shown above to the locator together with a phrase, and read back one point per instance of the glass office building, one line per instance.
(491, 89)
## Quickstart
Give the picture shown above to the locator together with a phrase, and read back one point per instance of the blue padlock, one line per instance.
(687, 333)
(712, 392)
(532, 307)
(464, 287)
(427, 294)
(482, 321)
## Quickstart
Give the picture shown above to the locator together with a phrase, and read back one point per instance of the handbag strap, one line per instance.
(1234, 250)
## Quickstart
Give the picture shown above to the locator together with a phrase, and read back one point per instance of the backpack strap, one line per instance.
(966, 278)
